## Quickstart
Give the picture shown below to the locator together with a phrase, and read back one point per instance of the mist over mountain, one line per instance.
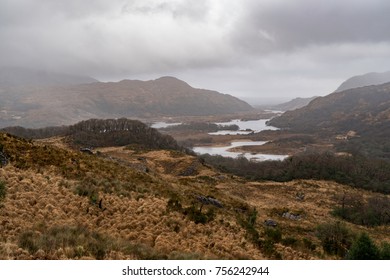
(293, 104)
(22, 77)
(32, 106)
(365, 80)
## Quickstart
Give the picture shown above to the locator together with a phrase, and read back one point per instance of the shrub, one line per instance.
(248, 222)
(192, 212)
(197, 216)
(81, 241)
(289, 241)
(363, 249)
(354, 209)
(174, 204)
(307, 243)
(335, 238)
(28, 240)
(385, 251)
(88, 191)
(273, 234)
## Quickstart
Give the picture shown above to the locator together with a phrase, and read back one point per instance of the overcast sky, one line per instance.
(259, 50)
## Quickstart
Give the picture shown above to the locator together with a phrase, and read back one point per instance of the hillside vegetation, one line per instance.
(127, 203)
(102, 133)
(356, 171)
(364, 112)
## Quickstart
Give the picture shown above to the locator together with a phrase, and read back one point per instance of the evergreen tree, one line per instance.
(363, 249)
(385, 251)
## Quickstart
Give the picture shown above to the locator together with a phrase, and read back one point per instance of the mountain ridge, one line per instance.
(293, 104)
(360, 105)
(62, 105)
(368, 79)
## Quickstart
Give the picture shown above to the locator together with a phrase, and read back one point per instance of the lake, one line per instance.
(225, 151)
(245, 127)
(158, 125)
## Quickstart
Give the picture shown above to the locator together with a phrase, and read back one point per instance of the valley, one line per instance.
(81, 180)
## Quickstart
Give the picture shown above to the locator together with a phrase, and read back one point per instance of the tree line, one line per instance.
(102, 133)
(356, 170)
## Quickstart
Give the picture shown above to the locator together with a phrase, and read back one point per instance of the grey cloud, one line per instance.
(195, 10)
(287, 25)
(263, 49)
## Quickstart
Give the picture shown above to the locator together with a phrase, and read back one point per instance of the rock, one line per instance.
(86, 150)
(290, 216)
(270, 223)
(209, 201)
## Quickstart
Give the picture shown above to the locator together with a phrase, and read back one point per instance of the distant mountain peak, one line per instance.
(171, 81)
(169, 78)
(369, 79)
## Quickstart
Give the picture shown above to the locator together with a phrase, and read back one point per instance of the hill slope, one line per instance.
(101, 133)
(362, 109)
(365, 80)
(57, 203)
(355, 120)
(166, 96)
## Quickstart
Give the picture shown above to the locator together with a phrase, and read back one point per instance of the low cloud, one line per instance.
(246, 48)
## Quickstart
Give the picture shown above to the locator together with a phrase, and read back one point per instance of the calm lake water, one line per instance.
(245, 127)
(225, 151)
(159, 125)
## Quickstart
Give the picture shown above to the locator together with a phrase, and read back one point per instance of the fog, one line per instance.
(263, 51)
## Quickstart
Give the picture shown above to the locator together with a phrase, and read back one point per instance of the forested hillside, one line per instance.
(102, 133)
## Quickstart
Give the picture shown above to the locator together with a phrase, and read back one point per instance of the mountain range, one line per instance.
(38, 100)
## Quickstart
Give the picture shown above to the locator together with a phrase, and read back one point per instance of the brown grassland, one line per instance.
(122, 203)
